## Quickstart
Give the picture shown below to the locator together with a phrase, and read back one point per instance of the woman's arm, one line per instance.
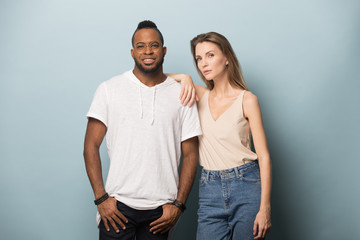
(189, 91)
(252, 112)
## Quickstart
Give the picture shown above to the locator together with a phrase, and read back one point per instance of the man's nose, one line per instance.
(148, 49)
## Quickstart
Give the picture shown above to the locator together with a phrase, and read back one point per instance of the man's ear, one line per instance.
(164, 50)
(132, 53)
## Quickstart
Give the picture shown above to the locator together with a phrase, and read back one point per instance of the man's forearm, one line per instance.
(188, 169)
(187, 175)
(94, 171)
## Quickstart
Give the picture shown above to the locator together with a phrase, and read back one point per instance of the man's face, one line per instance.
(148, 53)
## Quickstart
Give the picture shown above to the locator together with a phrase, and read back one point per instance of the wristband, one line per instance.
(101, 199)
(179, 205)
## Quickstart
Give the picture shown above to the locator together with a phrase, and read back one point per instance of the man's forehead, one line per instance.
(146, 35)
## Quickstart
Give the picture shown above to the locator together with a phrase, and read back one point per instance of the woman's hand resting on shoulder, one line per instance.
(187, 94)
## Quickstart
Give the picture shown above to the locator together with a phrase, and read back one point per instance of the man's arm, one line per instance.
(94, 136)
(171, 213)
(190, 151)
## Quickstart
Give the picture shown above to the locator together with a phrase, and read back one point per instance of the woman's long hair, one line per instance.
(236, 78)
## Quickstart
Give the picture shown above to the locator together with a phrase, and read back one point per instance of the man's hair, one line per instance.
(150, 25)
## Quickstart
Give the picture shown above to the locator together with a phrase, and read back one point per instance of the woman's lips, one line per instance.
(206, 72)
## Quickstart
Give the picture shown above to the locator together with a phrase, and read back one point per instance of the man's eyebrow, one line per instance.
(149, 43)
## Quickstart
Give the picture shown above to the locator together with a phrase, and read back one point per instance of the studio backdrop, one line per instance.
(301, 58)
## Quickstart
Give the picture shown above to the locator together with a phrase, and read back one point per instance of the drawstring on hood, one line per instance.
(141, 105)
(140, 85)
(153, 106)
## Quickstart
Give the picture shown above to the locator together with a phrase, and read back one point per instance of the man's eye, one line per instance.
(140, 46)
(155, 46)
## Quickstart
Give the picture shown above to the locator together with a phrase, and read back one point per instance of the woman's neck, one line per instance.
(222, 87)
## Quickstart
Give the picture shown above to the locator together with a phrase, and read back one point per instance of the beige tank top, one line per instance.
(225, 143)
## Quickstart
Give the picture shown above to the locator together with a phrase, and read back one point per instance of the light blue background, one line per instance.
(301, 58)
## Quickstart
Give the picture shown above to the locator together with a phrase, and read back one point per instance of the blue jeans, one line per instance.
(228, 202)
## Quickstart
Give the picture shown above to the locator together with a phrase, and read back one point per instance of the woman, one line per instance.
(235, 184)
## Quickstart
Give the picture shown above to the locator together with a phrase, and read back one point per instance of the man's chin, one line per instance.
(148, 69)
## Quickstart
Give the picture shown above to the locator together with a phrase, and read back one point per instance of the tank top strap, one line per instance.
(204, 99)
(206, 95)
(241, 96)
(241, 100)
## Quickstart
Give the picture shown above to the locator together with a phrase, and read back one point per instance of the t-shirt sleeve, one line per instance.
(190, 123)
(99, 105)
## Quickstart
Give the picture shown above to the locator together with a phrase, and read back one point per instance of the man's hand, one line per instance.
(109, 213)
(170, 215)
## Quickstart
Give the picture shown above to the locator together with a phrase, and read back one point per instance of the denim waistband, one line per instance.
(229, 173)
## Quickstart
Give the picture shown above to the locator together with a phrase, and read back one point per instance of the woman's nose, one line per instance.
(204, 63)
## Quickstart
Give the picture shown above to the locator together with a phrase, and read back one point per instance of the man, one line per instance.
(146, 130)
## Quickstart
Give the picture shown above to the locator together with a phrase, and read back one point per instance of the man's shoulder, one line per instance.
(117, 80)
(172, 85)
(173, 82)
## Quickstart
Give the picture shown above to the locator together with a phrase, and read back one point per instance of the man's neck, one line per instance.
(150, 79)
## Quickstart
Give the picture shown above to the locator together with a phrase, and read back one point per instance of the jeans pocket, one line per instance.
(202, 181)
(251, 174)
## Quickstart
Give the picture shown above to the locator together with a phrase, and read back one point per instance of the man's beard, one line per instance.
(147, 70)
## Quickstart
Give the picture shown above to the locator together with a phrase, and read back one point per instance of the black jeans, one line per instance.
(138, 225)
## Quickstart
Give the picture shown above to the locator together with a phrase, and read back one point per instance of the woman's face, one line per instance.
(210, 60)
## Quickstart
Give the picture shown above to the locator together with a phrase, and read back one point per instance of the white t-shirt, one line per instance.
(145, 128)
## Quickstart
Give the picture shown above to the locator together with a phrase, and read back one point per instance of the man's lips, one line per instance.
(148, 60)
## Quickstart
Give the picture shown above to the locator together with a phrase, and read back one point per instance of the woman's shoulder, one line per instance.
(250, 103)
(200, 91)
(249, 97)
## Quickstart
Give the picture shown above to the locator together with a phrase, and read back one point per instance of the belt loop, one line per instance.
(237, 172)
(207, 175)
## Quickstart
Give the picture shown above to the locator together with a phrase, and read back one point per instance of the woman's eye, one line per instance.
(211, 55)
